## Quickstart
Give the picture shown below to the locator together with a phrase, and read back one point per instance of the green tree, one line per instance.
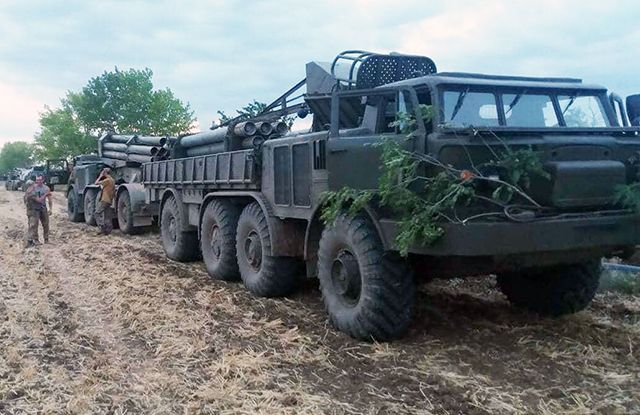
(62, 136)
(125, 102)
(15, 154)
(248, 111)
(118, 101)
(251, 110)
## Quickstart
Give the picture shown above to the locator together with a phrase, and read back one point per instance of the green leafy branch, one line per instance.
(422, 204)
(628, 196)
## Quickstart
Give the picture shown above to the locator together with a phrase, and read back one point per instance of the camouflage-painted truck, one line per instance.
(254, 214)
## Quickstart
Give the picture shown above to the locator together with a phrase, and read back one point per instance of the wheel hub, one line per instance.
(123, 211)
(253, 250)
(345, 275)
(172, 229)
(216, 248)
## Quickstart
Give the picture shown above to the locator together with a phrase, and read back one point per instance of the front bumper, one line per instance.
(567, 233)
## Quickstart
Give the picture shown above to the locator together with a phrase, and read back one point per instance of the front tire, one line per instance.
(90, 207)
(367, 292)
(218, 240)
(178, 244)
(72, 208)
(552, 291)
(264, 275)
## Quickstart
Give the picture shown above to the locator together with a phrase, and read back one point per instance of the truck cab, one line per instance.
(57, 172)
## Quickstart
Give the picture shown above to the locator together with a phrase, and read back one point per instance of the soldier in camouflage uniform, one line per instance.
(29, 187)
(35, 198)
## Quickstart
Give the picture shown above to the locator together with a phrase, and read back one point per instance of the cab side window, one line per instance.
(393, 105)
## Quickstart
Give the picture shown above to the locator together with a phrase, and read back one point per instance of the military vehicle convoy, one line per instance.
(124, 154)
(55, 172)
(253, 212)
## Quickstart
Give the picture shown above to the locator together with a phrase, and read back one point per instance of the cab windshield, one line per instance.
(527, 109)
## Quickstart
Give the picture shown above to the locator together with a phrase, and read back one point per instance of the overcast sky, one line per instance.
(222, 54)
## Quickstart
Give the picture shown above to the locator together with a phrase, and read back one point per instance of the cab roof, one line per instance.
(480, 80)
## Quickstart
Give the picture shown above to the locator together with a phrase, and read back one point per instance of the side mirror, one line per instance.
(618, 108)
(633, 109)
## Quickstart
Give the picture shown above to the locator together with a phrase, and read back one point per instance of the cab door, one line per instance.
(353, 152)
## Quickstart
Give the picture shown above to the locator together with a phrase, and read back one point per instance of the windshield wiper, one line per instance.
(459, 102)
(513, 103)
(571, 101)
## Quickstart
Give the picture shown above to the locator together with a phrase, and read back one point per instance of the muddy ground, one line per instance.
(93, 324)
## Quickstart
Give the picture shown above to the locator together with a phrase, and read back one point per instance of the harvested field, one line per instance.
(90, 324)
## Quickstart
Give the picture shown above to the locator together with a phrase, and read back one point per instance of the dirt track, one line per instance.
(109, 325)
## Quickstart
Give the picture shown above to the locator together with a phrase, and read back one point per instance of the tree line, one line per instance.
(116, 101)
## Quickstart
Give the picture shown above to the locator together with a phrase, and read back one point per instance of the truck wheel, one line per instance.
(125, 214)
(90, 207)
(552, 291)
(264, 275)
(178, 245)
(218, 240)
(72, 208)
(367, 292)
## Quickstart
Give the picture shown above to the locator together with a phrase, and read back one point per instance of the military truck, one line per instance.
(14, 181)
(56, 172)
(123, 154)
(254, 214)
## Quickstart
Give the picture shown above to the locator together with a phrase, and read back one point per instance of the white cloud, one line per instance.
(19, 108)
(589, 39)
(223, 54)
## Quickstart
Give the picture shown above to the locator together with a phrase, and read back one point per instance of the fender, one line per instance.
(90, 187)
(286, 235)
(182, 211)
(137, 199)
(143, 213)
(315, 226)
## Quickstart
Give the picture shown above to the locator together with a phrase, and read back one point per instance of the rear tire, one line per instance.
(90, 207)
(264, 275)
(218, 240)
(72, 208)
(368, 293)
(125, 214)
(552, 291)
(178, 244)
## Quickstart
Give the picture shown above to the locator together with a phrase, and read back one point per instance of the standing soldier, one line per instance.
(36, 197)
(27, 205)
(104, 210)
